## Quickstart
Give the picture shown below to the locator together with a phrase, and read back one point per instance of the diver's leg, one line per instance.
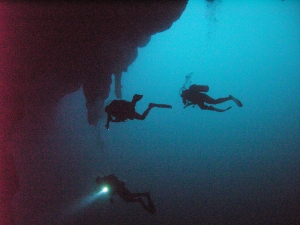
(210, 100)
(136, 197)
(144, 115)
(206, 107)
(221, 100)
(144, 205)
(151, 105)
(150, 207)
(150, 204)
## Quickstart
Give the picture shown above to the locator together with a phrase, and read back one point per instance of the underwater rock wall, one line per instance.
(49, 50)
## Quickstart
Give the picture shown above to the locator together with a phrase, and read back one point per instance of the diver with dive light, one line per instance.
(192, 95)
(114, 186)
(121, 110)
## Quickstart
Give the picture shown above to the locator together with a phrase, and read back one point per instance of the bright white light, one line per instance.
(86, 201)
(104, 190)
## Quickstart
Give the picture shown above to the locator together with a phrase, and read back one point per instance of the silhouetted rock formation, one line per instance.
(57, 48)
(51, 49)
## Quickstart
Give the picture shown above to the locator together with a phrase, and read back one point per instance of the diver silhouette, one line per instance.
(116, 186)
(121, 110)
(194, 96)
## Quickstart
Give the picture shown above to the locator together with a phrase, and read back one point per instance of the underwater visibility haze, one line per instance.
(200, 166)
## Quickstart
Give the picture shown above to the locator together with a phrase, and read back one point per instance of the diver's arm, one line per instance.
(189, 105)
(109, 118)
(116, 120)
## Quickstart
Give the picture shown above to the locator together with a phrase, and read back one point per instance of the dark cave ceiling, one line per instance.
(54, 49)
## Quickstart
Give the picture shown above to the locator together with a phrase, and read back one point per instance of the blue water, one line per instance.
(238, 167)
(201, 167)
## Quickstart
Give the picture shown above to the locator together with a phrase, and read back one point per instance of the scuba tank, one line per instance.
(199, 88)
(195, 87)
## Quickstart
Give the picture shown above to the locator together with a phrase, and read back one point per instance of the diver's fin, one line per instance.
(238, 102)
(136, 98)
(151, 205)
(160, 105)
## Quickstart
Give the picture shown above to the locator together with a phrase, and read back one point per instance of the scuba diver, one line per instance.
(192, 95)
(122, 110)
(116, 186)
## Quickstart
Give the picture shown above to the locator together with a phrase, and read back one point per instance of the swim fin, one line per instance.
(238, 102)
(151, 205)
(136, 98)
(160, 105)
